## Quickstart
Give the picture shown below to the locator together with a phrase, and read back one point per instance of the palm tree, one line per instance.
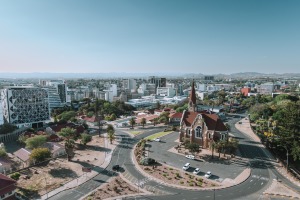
(143, 122)
(212, 147)
(70, 136)
(155, 120)
(110, 128)
(111, 136)
(132, 122)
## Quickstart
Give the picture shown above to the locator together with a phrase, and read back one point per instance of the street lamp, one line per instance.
(46, 187)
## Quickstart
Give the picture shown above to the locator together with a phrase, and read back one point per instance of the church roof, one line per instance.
(212, 121)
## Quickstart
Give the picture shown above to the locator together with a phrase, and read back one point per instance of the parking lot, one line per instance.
(220, 170)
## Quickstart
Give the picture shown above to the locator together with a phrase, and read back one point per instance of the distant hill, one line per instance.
(244, 75)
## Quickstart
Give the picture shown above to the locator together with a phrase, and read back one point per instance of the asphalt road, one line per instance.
(261, 175)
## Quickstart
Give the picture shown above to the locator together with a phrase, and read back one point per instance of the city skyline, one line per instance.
(207, 37)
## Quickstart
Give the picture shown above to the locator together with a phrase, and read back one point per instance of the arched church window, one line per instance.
(198, 132)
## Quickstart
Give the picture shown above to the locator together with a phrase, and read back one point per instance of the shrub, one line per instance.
(181, 182)
(170, 168)
(191, 184)
(165, 175)
(15, 176)
(199, 184)
(170, 178)
(40, 154)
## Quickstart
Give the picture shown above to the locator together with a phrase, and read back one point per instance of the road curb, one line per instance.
(178, 186)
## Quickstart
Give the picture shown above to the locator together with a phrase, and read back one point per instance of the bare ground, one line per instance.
(116, 187)
(38, 180)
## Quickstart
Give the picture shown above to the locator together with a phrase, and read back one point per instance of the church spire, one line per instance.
(192, 101)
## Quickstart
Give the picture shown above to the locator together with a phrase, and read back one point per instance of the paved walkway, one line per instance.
(103, 161)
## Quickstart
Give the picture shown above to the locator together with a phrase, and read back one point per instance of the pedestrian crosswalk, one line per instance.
(143, 184)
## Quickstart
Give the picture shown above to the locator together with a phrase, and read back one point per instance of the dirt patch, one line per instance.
(116, 187)
(177, 177)
(38, 180)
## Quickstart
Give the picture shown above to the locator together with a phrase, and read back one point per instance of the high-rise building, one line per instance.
(159, 82)
(129, 84)
(25, 106)
(1, 112)
(54, 98)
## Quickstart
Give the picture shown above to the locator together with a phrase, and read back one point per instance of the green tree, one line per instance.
(85, 138)
(70, 136)
(143, 121)
(192, 147)
(212, 147)
(40, 154)
(3, 152)
(67, 116)
(111, 136)
(36, 141)
(132, 122)
(22, 139)
(7, 128)
(15, 176)
(155, 121)
(110, 128)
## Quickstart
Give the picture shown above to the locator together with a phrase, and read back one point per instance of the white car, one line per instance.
(196, 171)
(190, 157)
(208, 174)
(186, 166)
(157, 139)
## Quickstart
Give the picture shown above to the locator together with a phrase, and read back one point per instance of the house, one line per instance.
(175, 118)
(7, 188)
(57, 128)
(5, 165)
(55, 149)
(23, 155)
(203, 127)
(54, 138)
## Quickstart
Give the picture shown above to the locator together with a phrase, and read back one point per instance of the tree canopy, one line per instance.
(36, 141)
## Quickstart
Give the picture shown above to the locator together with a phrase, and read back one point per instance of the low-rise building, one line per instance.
(7, 188)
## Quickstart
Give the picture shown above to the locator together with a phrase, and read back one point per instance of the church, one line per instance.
(203, 127)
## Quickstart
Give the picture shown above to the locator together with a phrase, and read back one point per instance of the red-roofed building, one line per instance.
(175, 118)
(202, 128)
(56, 128)
(7, 188)
(245, 91)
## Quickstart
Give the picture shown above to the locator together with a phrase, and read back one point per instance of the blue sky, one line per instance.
(201, 36)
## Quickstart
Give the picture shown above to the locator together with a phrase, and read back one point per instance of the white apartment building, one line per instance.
(25, 106)
(265, 88)
(129, 84)
(166, 91)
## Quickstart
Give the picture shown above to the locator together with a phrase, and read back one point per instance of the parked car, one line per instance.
(157, 139)
(190, 157)
(186, 166)
(208, 174)
(196, 171)
(116, 167)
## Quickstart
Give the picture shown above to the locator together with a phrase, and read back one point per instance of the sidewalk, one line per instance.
(245, 128)
(103, 161)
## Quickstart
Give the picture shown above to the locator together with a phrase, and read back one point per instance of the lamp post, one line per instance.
(46, 188)
(214, 194)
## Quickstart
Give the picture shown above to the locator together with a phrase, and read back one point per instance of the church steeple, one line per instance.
(192, 101)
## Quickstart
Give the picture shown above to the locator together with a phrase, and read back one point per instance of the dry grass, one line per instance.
(116, 187)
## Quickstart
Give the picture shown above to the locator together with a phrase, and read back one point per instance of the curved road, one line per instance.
(261, 177)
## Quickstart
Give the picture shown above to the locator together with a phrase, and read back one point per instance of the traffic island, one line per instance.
(117, 187)
(173, 177)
